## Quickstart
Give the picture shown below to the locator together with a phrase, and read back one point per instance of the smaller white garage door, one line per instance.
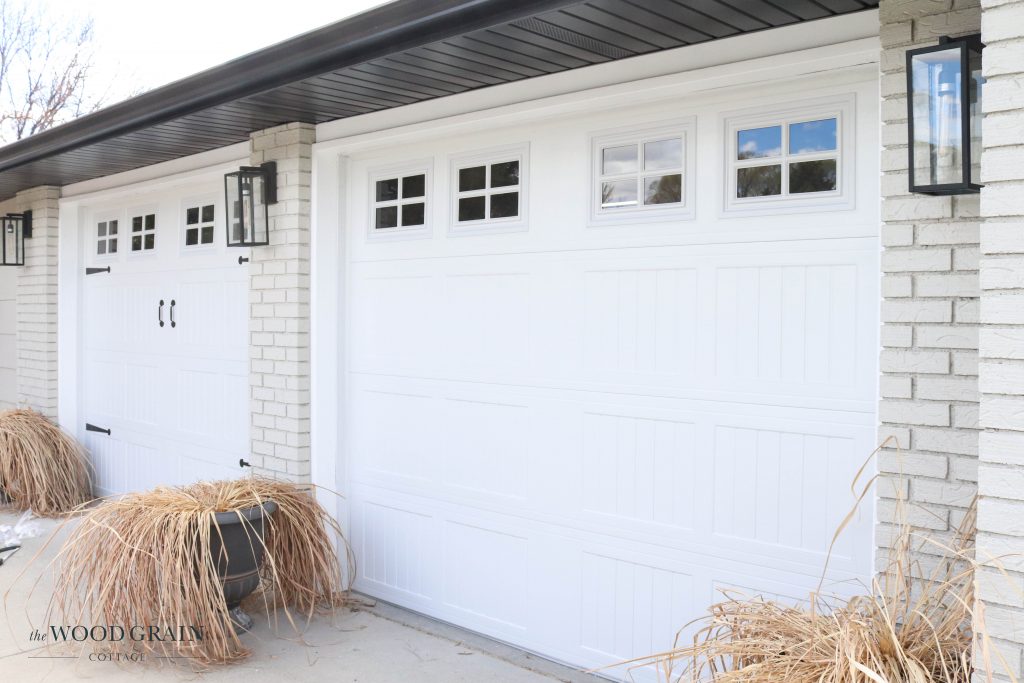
(164, 332)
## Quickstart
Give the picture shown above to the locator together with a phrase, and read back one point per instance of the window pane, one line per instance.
(136, 243)
(505, 174)
(412, 214)
(663, 154)
(192, 215)
(101, 247)
(471, 208)
(665, 189)
(812, 136)
(474, 178)
(759, 142)
(208, 213)
(758, 181)
(101, 230)
(192, 236)
(505, 205)
(617, 160)
(151, 221)
(137, 224)
(812, 176)
(618, 193)
(414, 186)
(112, 227)
(112, 246)
(387, 217)
(387, 190)
(207, 237)
(149, 241)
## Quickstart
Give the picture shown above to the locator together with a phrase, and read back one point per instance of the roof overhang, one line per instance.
(401, 53)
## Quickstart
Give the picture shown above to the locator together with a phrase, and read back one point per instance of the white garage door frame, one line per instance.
(848, 64)
(160, 184)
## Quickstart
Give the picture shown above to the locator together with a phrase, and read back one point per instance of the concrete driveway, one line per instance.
(375, 644)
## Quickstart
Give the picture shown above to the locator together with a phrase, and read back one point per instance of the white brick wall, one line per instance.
(279, 309)
(1001, 339)
(36, 306)
(929, 388)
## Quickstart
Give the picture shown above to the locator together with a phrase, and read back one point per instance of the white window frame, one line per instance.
(189, 202)
(143, 211)
(520, 223)
(94, 238)
(841, 109)
(685, 129)
(424, 167)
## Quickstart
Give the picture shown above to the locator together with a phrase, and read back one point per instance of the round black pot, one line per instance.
(239, 556)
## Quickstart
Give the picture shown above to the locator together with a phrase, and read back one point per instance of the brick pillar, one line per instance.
(1001, 473)
(930, 309)
(36, 303)
(279, 309)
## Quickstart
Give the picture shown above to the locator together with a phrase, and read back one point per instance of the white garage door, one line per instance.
(164, 333)
(570, 429)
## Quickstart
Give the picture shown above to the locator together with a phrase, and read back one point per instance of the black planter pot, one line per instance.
(240, 555)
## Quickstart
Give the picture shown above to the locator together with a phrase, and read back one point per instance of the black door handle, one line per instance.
(94, 428)
(173, 324)
(160, 313)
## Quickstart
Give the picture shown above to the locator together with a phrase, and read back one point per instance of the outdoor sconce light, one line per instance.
(16, 227)
(247, 194)
(944, 113)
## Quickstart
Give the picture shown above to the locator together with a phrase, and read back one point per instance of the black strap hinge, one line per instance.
(94, 428)
(93, 271)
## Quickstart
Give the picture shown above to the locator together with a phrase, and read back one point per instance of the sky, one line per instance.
(143, 44)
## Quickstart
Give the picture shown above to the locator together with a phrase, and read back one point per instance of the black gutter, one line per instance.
(385, 30)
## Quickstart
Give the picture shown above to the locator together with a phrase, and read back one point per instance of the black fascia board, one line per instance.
(385, 30)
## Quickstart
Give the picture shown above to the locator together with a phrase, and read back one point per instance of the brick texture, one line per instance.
(1001, 338)
(36, 303)
(279, 309)
(929, 384)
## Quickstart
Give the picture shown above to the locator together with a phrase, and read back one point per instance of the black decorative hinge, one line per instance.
(242, 462)
(93, 271)
(94, 428)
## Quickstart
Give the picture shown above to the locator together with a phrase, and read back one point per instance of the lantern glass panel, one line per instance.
(938, 125)
(258, 226)
(974, 86)
(232, 189)
(12, 243)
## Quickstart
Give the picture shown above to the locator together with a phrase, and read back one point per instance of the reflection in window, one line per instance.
(400, 202)
(488, 191)
(804, 156)
(106, 237)
(626, 179)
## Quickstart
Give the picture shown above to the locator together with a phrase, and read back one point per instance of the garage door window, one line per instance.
(789, 159)
(489, 191)
(106, 237)
(641, 175)
(143, 232)
(199, 225)
(398, 201)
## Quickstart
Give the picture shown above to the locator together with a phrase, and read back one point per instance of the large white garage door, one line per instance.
(571, 431)
(164, 343)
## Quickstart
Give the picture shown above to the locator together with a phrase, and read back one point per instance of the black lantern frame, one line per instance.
(968, 46)
(15, 228)
(248, 194)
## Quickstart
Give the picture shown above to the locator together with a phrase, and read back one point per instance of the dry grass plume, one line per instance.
(41, 467)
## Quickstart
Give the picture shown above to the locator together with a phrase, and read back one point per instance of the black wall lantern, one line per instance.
(15, 227)
(944, 114)
(247, 194)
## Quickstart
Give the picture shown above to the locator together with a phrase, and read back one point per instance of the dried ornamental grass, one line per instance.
(914, 625)
(41, 468)
(145, 560)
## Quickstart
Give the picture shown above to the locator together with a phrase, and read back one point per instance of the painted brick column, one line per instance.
(1001, 369)
(929, 361)
(36, 303)
(279, 309)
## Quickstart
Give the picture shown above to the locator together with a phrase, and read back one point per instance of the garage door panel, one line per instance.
(471, 552)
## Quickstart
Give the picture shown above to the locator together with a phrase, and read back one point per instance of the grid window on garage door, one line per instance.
(106, 237)
(489, 190)
(143, 232)
(399, 201)
(199, 222)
